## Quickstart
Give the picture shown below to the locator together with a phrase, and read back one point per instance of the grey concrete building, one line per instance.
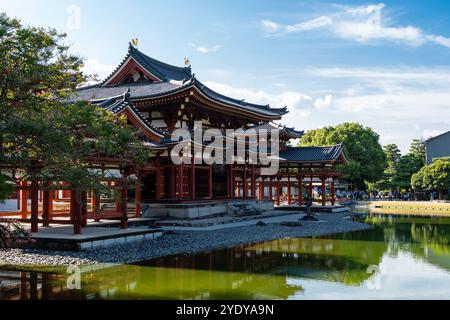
(438, 147)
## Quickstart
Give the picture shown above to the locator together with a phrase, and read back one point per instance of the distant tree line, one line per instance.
(373, 167)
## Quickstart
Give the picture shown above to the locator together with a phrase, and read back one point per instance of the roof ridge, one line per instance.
(159, 61)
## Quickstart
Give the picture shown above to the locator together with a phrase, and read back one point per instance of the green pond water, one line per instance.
(401, 258)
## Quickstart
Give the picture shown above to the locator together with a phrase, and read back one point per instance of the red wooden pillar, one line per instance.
(92, 201)
(193, 191)
(278, 189)
(238, 186)
(245, 183)
(84, 209)
(75, 210)
(324, 191)
(229, 185)
(253, 182)
(34, 204)
(116, 188)
(261, 189)
(46, 208)
(300, 190)
(289, 197)
(95, 203)
(138, 196)
(172, 183)
(180, 182)
(24, 199)
(19, 193)
(123, 202)
(270, 189)
(333, 192)
(50, 201)
(210, 184)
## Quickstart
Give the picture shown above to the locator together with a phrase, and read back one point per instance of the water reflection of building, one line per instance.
(255, 272)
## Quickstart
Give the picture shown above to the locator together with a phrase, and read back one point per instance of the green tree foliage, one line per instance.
(392, 156)
(399, 169)
(418, 150)
(406, 167)
(434, 177)
(367, 159)
(41, 134)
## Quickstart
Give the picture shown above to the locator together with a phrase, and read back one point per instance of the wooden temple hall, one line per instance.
(158, 98)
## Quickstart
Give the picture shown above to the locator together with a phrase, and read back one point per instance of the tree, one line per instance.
(434, 177)
(418, 150)
(43, 136)
(367, 159)
(392, 155)
(407, 166)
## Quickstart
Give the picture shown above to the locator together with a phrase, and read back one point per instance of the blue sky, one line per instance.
(383, 64)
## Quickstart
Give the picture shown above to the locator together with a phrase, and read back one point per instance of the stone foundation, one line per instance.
(199, 209)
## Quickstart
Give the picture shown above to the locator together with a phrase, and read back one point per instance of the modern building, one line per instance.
(438, 147)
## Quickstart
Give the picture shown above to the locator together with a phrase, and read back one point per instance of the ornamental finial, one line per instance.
(187, 62)
(135, 42)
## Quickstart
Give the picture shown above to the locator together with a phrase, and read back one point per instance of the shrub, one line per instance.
(11, 233)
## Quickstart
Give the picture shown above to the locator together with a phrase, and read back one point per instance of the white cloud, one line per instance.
(363, 24)
(292, 100)
(317, 23)
(206, 50)
(95, 67)
(270, 26)
(430, 75)
(443, 41)
(365, 32)
(324, 103)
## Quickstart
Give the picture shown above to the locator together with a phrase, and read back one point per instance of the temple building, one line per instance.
(157, 99)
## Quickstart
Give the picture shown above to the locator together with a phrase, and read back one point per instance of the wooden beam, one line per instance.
(300, 190)
(270, 189)
(34, 205)
(324, 191)
(333, 192)
(123, 201)
(210, 184)
(24, 199)
(278, 190)
(75, 210)
(46, 208)
(138, 196)
(193, 191)
(84, 209)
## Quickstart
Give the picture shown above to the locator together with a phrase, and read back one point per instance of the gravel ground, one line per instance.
(182, 242)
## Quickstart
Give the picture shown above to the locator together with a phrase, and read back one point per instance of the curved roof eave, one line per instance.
(269, 113)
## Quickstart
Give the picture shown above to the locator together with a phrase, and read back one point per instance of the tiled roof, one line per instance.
(165, 72)
(241, 103)
(282, 129)
(174, 79)
(118, 103)
(313, 154)
(137, 90)
(295, 134)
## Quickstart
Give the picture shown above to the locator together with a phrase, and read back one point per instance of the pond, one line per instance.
(401, 258)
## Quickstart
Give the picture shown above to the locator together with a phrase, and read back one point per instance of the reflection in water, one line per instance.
(407, 255)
